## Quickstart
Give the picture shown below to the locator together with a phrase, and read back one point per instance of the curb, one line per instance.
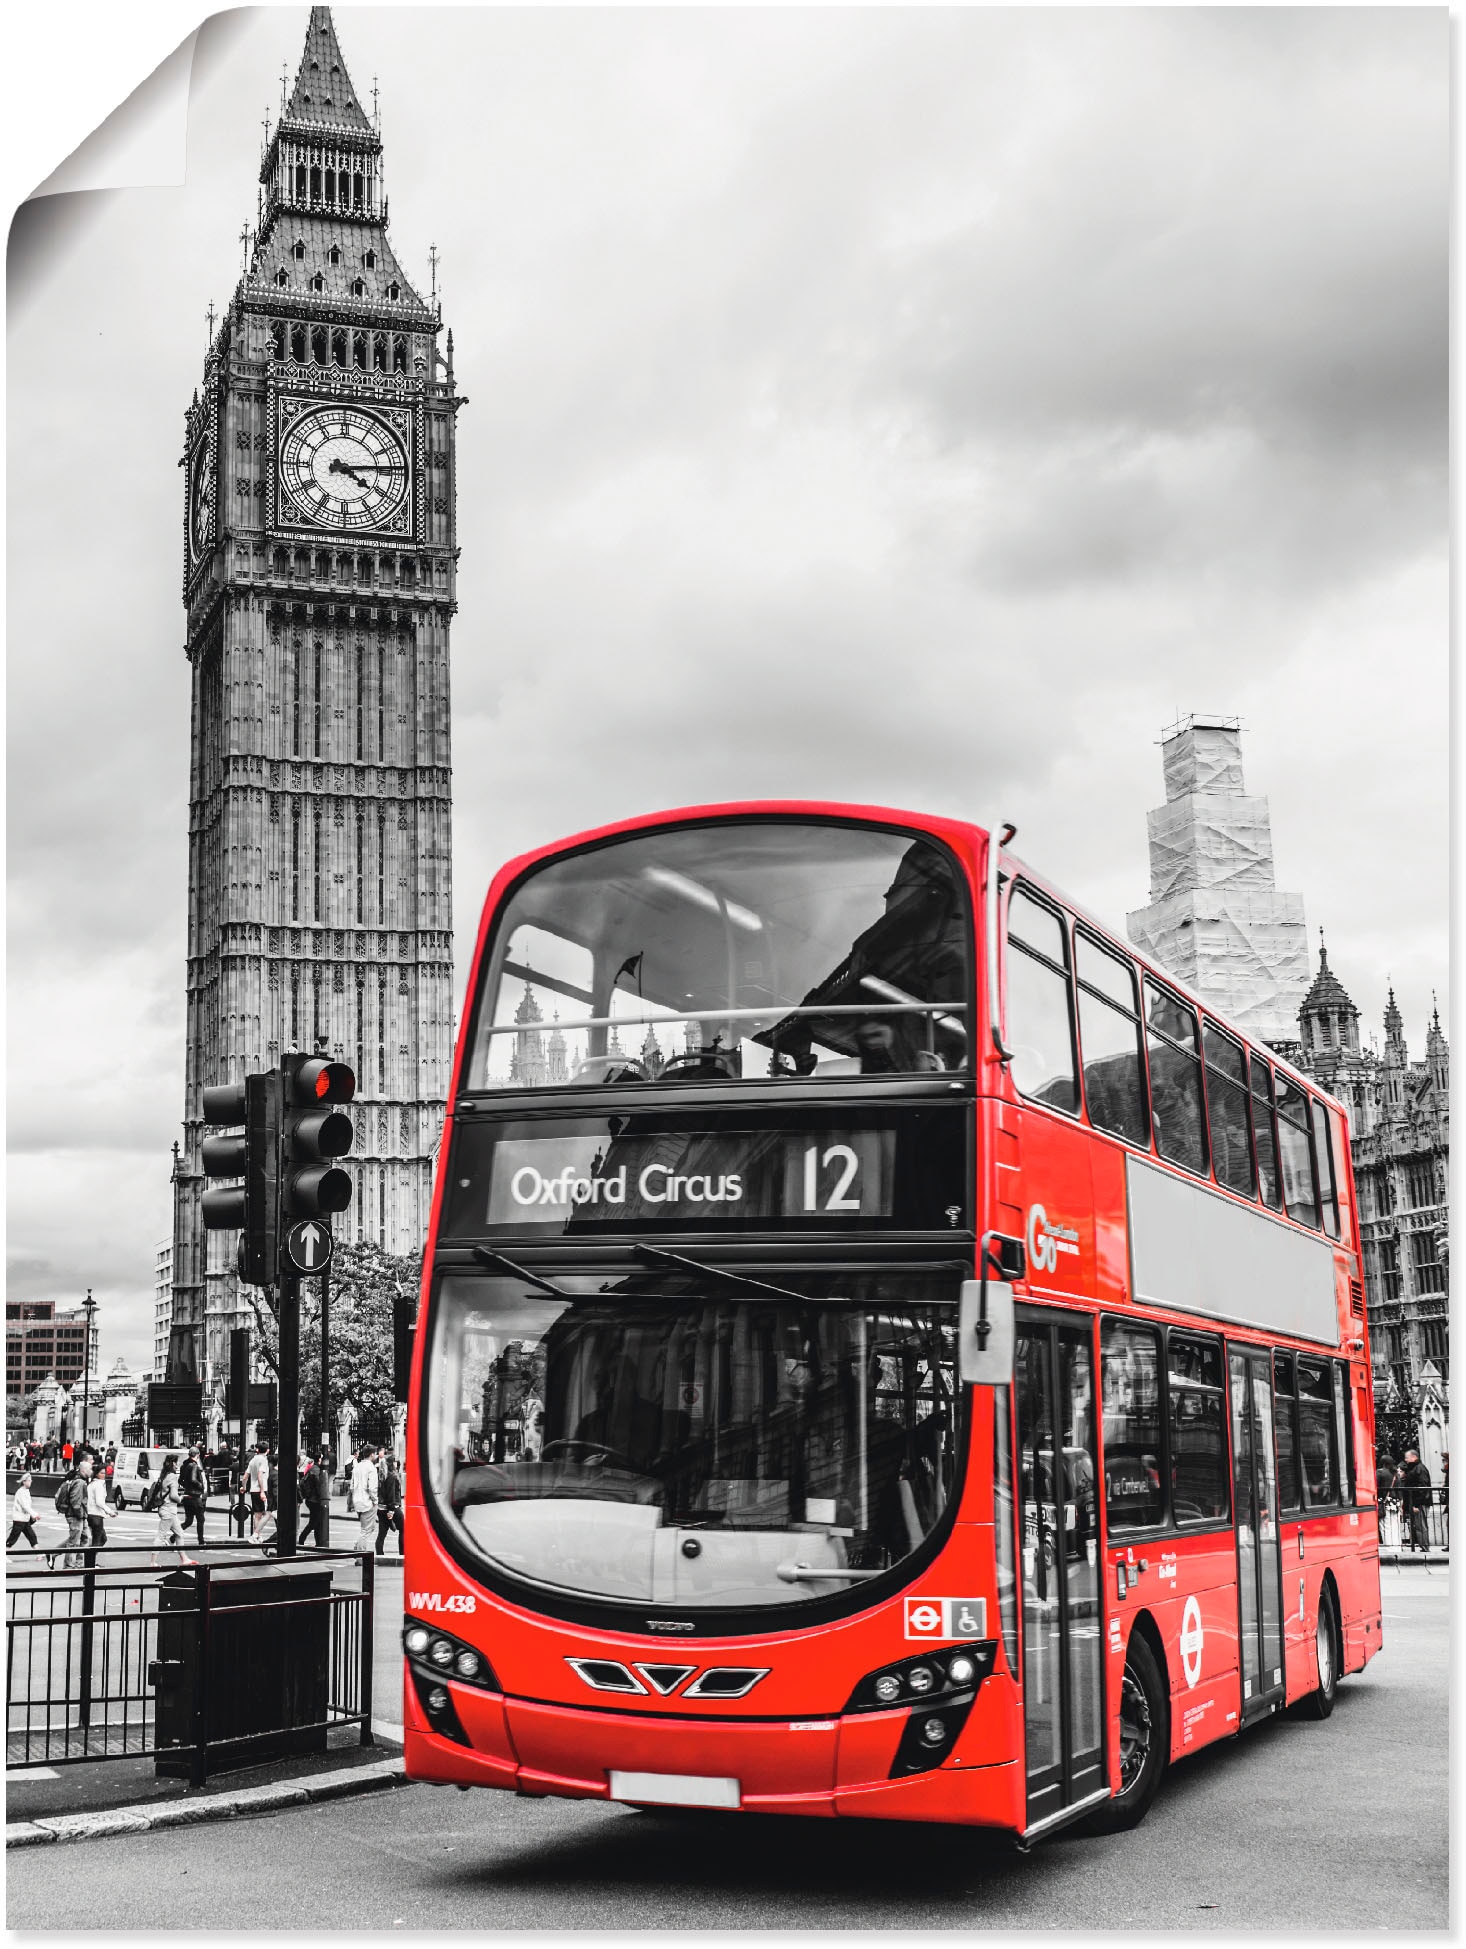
(214, 1806)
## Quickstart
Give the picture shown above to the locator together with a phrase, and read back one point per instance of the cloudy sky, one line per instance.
(920, 407)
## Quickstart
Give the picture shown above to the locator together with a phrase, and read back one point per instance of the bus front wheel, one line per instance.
(1145, 1740)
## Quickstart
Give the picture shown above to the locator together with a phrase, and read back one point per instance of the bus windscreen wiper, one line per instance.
(644, 1251)
(498, 1263)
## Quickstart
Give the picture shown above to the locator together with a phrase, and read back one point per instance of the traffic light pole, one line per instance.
(325, 1517)
(287, 1504)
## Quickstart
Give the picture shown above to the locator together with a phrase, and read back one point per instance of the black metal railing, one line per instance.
(1415, 1519)
(222, 1660)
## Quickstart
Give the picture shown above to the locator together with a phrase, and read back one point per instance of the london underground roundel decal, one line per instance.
(1192, 1640)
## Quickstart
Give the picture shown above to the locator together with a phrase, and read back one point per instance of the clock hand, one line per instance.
(340, 467)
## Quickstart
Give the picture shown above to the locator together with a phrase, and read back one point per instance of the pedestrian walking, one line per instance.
(257, 1489)
(1414, 1483)
(363, 1497)
(194, 1488)
(96, 1503)
(313, 1502)
(71, 1503)
(166, 1498)
(22, 1514)
(1385, 1471)
(389, 1506)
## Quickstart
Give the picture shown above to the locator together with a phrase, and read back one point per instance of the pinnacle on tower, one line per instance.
(323, 94)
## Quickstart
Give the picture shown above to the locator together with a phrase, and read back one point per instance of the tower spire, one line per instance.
(323, 95)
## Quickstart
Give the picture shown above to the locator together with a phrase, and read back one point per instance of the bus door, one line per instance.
(1259, 1559)
(1063, 1665)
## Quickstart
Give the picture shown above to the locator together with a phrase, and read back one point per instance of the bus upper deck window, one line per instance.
(1323, 1153)
(1265, 1134)
(1040, 1009)
(1226, 1103)
(1109, 1036)
(1175, 1079)
(1295, 1142)
(729, 951)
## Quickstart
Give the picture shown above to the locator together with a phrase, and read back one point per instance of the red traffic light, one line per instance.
(320, 1081)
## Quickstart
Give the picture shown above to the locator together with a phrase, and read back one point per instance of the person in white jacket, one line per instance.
(363, 1497)
(22, 1514)
(96, 1507)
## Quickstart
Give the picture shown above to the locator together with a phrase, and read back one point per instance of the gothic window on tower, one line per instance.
(317, 911)
(370, 260)
(394, 291)
(318, 283)
(282, 276)
(316, 705)
(277, 333)
(399, 348)
(359, 339)
(298, 344)
(379, 352)
(338, 348)
(298, 250)
(358, 189)
(294, 866)
(335, 253)
(315, 178)
(318, 344)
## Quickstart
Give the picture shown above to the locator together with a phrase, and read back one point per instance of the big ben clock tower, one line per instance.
(319, 580)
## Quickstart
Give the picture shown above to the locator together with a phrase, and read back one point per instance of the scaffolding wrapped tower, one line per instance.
(1216, 919)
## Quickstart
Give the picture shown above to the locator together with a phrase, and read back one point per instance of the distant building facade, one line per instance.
(162, 1302)
(1400, 1120)
(41, 1340)
(1216, 918)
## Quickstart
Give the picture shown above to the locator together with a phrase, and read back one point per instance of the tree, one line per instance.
(365, 1282)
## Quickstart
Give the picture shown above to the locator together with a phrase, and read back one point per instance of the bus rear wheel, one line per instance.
(1145, 1741)
(1320, 1703)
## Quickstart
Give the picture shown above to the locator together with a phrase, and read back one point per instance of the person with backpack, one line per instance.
(71, 1504)
(22, 1514)
(194, 1486)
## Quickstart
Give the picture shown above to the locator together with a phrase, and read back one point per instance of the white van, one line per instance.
(136, 1470)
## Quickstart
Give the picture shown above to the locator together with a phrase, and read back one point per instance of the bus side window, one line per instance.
(1317, 1434)
(1200, 1475)
(1341, 1432)
(1295, 1141)
(1322, 1150)
(1265, 1134)
(1109, 1035)
(1226, 1102)
(1040, 1008)
(1290, 1494)
(1130, 1398)
(1175, 1080)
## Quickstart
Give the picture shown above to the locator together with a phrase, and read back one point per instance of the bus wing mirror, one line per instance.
(985, 1332)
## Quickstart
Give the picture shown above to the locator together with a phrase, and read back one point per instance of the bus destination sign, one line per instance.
(639, 1172)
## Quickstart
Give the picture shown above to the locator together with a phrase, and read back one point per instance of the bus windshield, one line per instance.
(665, 1438)
(729, 951)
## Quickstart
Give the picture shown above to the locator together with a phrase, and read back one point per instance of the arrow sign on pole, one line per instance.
(308, 1246)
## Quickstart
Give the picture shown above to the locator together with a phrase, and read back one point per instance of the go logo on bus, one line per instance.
(1047, 1240)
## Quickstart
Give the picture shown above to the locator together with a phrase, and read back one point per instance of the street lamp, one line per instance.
(89, 1307)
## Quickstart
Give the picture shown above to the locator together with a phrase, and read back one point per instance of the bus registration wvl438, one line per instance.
(885, 1349)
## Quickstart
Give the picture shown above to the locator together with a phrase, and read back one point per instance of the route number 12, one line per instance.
(846, 1168)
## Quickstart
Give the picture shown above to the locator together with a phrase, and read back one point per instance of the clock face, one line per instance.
(343, 468)
(199, 511)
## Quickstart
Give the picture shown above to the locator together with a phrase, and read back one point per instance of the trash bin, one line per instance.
(265, 1690)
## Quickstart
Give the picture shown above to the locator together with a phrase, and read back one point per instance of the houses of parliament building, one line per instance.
(320, 564)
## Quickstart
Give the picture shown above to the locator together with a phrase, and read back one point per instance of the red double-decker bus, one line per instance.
(885, 1348)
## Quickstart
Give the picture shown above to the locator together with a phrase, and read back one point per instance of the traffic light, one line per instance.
(313, 1130)
(250, 1207)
